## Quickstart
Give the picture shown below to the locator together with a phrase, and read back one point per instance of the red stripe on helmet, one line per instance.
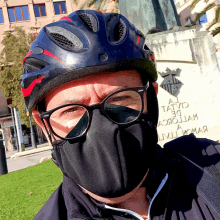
(152, 57)
(48, 53)
(101, 11)
(138, 40)
(65, 18)
(29, 89)
(29, 53)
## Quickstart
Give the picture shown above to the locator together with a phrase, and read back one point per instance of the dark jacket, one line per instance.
(192, 190)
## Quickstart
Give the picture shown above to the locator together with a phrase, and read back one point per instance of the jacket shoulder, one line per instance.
(199, 160)
(190, 146)
(54, 208)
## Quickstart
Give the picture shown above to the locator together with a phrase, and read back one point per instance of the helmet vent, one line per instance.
(62, 41)
(90, 21)
(116, 29)
(33, 64)
(64, 38)
(119, 31)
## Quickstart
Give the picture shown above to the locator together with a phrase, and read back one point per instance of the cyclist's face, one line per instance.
(89, 91)
(92, 90)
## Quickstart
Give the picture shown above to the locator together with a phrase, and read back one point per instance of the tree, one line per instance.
(216, 20)
(102, 5)
(15, 44)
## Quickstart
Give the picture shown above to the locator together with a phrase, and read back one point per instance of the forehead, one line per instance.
(99, 85)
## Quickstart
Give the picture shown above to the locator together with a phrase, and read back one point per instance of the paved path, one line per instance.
(24, 161)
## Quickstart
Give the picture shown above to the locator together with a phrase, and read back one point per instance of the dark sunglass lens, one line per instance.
(70, 121)
(123, 107)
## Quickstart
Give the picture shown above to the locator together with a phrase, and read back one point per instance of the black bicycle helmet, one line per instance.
(84, 43)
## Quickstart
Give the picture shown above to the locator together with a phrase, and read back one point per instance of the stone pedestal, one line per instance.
(189, 82)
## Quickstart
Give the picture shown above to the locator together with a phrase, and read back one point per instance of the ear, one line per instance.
(155, 85)
(36, 117)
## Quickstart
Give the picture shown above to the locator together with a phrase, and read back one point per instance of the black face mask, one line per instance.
(110, 160)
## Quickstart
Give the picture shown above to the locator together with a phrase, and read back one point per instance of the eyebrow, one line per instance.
(81, 100)
(72, 101)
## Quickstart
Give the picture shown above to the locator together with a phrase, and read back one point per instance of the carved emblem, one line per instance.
(170, 83)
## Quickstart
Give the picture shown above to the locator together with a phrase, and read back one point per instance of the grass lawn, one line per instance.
(15, 201)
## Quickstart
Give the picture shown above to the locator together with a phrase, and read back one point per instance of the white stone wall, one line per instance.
(196, 108)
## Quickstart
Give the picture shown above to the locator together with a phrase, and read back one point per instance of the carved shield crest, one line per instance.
(170, 83)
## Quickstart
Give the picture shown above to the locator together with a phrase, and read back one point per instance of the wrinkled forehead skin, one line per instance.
(93, 89)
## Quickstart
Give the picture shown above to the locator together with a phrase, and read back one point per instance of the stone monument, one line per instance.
(188, 69)
(189, 80)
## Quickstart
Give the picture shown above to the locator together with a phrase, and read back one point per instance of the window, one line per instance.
(1, 16)
(19, 13)
(59, 8)
(203, 19)
(39, 10)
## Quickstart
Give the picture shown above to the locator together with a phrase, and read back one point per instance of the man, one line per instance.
(90, 82)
